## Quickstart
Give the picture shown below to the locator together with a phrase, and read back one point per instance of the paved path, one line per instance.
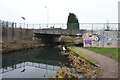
(109, 67)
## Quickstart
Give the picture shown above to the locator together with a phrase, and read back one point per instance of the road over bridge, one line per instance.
(46, 35)
(52, 35)
(59, 31)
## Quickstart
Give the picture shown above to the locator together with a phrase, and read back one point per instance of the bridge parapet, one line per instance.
(59, 31)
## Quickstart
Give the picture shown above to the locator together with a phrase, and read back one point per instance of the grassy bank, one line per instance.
(109, 52)
(81, 54)
(17, 45)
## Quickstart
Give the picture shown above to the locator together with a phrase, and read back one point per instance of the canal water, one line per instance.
(37, 63)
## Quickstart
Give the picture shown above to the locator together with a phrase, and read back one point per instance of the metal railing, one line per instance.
(85, 26)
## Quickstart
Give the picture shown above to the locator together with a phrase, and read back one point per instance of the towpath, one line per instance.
(109, 67)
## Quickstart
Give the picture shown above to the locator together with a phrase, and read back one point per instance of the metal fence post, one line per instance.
(92, 28)
(13, 31)
(79, 25)
(27, 26)
(15, 25)
(33, 26)
(0, 23)
(20, 25)
(39, 26)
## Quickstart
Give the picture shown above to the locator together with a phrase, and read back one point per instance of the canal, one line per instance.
(36, 63)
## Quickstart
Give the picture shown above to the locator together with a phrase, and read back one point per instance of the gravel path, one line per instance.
(109, 67)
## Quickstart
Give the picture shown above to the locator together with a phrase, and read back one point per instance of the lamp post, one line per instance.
(24, 20)
(47, 15)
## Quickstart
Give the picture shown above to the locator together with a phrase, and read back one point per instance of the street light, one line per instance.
(24, 20)
(47, 15)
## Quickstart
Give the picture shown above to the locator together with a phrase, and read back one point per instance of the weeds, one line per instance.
(80, 64)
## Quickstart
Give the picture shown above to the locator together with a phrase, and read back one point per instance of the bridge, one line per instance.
(43, 34)
(58, 31)
(16, 31)
(52, 35)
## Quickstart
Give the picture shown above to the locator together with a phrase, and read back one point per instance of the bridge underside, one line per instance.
(47, 38)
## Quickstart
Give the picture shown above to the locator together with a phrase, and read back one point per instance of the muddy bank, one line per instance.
(18, 45)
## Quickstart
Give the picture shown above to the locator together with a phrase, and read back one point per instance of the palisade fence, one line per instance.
(85, 26)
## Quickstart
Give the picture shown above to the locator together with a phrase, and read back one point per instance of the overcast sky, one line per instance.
(57, 11)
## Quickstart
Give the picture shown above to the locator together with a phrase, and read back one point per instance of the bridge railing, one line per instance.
(85, 26)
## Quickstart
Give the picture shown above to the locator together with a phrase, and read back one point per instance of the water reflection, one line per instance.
(37, 63)
(29, 70)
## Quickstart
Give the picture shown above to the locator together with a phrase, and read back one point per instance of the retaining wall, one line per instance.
(101, 39)
(15, 33)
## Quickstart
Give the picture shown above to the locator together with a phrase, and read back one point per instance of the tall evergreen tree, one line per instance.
(72, 22)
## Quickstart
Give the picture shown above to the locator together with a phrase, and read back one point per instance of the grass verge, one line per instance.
(109, 52)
